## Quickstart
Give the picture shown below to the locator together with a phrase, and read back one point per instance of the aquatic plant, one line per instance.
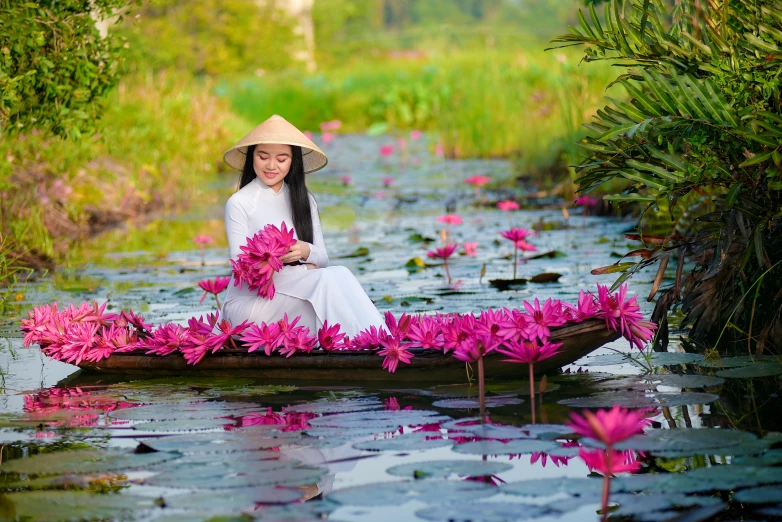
(518, 236)
(202, 241)
(261, 257)
(477, 181)
(393, 353)
(696, 148)
(345, 180)
(387, 181)
(214, 286)
(609, 427)
(470, 248)
(529, 352)
(444, 253)
(386, 150)
(330, 338)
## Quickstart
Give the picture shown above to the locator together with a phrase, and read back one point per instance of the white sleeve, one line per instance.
(236, 227)
(318, 254)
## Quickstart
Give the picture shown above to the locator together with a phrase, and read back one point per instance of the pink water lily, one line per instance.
(386, 150)
(586, 308)
(542, 318)
(369, 339)
(398, 328)
(507, 205)
(609, 426)
(167, 339)
(345, 180)
(36, 323)
(297, 339)
(624, 315)
(585, 201)
(329, 337)
(393, 353)
(415, 134)
(79, 339)
(444, 253)
(261, 258)
(470, 248)
(213, 286)
(131, 318)
(488, 328)
(450, 219)
(425, 333)
(327, 137)
(458, 331)
(202, 240)
(519, 238)
(330, 125)
(477, 180)
(266, 336)
(529, 352)
(387, 181)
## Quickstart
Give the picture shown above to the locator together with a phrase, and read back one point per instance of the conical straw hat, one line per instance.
(277, 130)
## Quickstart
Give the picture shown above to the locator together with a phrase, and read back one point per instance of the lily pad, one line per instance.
(84, 461)
(658, 359)
(640, 400)
(545, 277)
(754, 370)
(57, 506)
(183, 425)
(546, 487)
(339, 406)
(646, 382)
(471, 404)
(725, 477)
(222, 442)
(215, 477)
(484, 512)
(187, 411)
(491, 431)
(397, 493)
(544, 430)
(762, 495)
(445, 468)
(406, 442)
(659, 507)
(514, 447)
(384, 420)
(507, 284)
(734, 362)
(688, 441)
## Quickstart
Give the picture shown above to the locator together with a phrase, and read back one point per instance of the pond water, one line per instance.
(81, 446)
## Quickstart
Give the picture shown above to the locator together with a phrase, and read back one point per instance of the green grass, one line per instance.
(527, 105)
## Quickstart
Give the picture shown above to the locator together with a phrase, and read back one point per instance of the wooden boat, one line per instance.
(578, 340)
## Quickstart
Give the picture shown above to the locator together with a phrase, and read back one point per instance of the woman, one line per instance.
(274, 159)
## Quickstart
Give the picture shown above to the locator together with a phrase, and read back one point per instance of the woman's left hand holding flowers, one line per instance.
(298, 252)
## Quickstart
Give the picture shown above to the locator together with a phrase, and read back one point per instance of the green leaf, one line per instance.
(733, 194)
(644, 100)
(668, 159)
(694, 106)
(757, 158)
(760, 43)
(655, 81)
(585, 24)
(595, 19)
(673, 177)
(642, 178)
(631, 197)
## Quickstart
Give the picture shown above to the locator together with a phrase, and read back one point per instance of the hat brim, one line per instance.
(313, 160)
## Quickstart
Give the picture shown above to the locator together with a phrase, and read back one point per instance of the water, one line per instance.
(227, 446)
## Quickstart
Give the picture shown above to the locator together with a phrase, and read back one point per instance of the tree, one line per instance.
(700, 137)
(55, 66)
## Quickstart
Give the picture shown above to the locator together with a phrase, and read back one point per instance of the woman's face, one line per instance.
(272, 163)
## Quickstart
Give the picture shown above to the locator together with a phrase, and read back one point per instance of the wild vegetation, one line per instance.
(697, 146)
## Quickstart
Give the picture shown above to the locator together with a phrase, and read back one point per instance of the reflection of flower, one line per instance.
(543, 457)
(610, 462)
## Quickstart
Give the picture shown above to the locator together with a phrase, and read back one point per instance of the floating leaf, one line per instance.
(234, 499)
(507, 284)
(658, 507)
(471, 404)
(644, 382)
(733, 362)
(57, 506)
(223, 442)
(545, 487)
(84, 461)
(688, 441)
(490, 431)
(546, 277)
(189, 411)
(514, 447)
(551, 254)
(762, 495)
(725, 477)
(445, 468)
(397, 493)
(639, 400)
(219, 477)
(406, 442)
(483, 512)
(338, 406)
(183, 425)
(383, 420)
(541, 430)
(755, 370)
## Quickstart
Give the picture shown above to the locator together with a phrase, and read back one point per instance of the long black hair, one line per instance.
(301, 211)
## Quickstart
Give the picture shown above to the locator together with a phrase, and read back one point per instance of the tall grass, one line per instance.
(527, 104)
(161, 140)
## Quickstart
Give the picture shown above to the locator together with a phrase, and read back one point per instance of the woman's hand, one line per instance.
(298, 252)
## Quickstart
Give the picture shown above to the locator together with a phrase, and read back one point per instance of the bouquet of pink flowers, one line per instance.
(260, 258)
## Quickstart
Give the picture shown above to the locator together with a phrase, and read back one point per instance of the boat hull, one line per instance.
(578, 340)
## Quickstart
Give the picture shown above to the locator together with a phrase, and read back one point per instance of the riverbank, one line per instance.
(160, 142)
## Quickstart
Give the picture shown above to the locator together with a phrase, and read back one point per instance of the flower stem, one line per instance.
(514, 260)
(606, 483)
(532, 389)
(481, 389)
(218, 303)
(447, 272)
(203, 255)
